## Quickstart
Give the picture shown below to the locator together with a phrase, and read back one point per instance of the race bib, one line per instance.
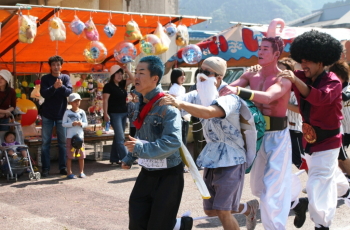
(153, 163)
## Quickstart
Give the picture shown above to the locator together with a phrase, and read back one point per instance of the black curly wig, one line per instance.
(317, 47)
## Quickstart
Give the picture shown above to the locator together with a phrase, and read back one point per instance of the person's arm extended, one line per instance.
(293, 108)
(195, 110)
(131, 77)
(243, 81)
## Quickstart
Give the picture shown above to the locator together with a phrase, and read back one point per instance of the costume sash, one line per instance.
(145, 110)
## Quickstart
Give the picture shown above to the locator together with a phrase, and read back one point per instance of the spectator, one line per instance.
(55, 88)
(75, 120)
(7, 99)
(115, 109)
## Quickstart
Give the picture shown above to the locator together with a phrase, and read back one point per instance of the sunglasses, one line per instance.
(207, 72)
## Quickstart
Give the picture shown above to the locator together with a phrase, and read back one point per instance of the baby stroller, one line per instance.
(14, 166)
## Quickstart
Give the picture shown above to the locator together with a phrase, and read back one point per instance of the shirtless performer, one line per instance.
(271, 172)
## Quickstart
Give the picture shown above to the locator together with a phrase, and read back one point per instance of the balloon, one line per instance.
(17, 90)
(18, 95)
(95, 52)
(24, 83)
(192, 54)
(78, 84)
(125, 52)
(31, 85)
(149, 44)
(84, 84)
(99, 132)
(170, 29)
(28, 107)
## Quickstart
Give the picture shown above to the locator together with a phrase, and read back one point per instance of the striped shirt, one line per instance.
(294, 119)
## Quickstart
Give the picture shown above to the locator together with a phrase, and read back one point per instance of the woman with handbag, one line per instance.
(7, 99)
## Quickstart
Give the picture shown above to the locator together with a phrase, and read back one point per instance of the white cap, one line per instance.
(74, 96)
(6, 75)
(114, 69)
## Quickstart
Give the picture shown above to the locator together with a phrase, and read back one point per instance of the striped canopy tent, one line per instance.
(239, 44)
(22, 58)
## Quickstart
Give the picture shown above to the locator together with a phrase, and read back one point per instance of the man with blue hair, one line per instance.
(156, 196)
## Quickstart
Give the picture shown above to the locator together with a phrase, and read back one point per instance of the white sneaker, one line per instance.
(251, 218)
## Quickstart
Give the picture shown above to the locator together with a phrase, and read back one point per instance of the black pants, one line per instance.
(297, 147)
(155, 199)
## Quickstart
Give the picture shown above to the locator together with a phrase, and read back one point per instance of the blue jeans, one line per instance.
(46, 133)
(118, 122)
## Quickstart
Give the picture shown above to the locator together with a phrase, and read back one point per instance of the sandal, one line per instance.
(71, 176)
(82, 175)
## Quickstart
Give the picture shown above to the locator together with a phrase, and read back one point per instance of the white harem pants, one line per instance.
(325, 183)
(271, 179)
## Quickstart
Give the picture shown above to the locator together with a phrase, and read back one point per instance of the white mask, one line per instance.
(207, 90)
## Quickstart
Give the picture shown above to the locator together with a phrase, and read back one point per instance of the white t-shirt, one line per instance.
(177, 90)
(69, 117)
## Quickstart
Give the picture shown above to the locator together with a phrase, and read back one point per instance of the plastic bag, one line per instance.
(77, 26)
(132, 31)
(170, 29)
(90, 31)
(57, 29)
(109, 29)
(125, 52)
(95, 52)
(164, 40)
(149, 44)
(26, 28)
(182, 37)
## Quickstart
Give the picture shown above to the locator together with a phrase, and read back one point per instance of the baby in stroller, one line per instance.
(10, 140)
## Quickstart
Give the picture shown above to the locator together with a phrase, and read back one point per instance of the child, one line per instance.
(10, 140)
(74, 120)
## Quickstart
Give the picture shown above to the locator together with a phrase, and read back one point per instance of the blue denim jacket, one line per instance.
(162, 131)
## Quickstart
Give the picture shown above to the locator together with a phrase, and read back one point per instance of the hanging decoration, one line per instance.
(164, 40)
(76, 25)
(57, 29)
(109, 29)
(149, 44)
(132, 31)
(95, 52)
(26, 28)
(192, 54)
(170, 29)
(90, 31)
(182, 37)
(125, 52)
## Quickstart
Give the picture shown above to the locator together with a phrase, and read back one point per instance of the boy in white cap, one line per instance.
(7, 99)
(74, 120)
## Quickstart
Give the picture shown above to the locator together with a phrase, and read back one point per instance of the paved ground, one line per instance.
(100, 201)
